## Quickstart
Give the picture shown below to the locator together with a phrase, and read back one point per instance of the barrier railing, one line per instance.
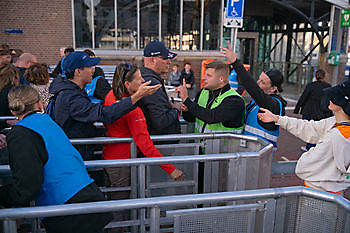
(290, 209)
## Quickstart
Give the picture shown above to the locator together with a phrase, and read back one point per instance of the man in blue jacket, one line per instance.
(74, 111)
(161, 115)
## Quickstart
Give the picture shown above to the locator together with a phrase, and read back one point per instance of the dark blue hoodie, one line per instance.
(75, 113)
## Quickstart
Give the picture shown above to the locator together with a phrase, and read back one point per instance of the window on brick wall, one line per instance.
(83, 24)
(104, 24)
(178, 23)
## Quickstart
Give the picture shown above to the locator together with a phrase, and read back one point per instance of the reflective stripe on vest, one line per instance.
(217, 127)
(64, 173)
(90, 90)
(253, 128)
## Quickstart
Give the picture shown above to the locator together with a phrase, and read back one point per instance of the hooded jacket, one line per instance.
(161, 118)
(326, 166)
(75, 113)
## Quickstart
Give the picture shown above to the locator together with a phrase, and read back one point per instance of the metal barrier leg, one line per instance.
(10, 226)
(133, 193)
(142, 194)
(231, 175)
(155, 220)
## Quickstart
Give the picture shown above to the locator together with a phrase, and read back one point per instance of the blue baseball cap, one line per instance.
(77, 60)
(157, 48)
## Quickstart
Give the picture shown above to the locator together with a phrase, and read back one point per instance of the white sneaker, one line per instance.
(303, 148)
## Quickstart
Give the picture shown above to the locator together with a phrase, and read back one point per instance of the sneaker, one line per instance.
(303, 148)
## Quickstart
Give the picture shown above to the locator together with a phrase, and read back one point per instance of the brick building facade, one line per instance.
(46, 26)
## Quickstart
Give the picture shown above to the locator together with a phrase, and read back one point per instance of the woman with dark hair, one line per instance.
(126, 81)
(46, 167)
(38, 76)
(9, 77)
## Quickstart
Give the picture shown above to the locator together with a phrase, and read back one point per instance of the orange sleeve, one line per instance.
(138, 129)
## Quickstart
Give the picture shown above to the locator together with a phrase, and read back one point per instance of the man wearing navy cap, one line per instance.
(74, 111)
(161, 115)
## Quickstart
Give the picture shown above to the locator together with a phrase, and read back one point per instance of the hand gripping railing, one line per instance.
(10, 215)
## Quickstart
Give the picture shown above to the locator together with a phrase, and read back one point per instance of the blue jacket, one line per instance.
(75, 112)
(64, 172)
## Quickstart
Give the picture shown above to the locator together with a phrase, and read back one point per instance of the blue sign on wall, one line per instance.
(235, 8)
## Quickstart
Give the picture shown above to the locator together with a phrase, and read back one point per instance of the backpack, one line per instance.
(50, 109)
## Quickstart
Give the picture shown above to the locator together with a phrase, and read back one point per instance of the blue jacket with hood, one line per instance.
(75, 112)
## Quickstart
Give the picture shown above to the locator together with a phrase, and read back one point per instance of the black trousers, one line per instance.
(84, 223)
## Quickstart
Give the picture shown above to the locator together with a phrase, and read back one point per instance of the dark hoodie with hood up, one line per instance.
(75, 113)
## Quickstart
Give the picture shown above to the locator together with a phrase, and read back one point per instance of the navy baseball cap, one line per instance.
(157, 48)
(340, 95)
(77, 60)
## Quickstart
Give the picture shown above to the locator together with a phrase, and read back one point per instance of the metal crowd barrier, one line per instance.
(233, 162)
(290, 209)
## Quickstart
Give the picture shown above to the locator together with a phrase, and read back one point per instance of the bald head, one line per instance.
(26, 60)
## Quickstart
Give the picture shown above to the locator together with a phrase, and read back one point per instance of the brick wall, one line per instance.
(46, 25)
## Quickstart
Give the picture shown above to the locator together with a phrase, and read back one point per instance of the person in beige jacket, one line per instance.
(327, 166)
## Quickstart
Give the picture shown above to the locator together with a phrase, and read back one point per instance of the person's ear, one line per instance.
(273, 89)
(126, 84)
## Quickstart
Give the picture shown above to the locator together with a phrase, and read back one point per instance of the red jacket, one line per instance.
(132, 124)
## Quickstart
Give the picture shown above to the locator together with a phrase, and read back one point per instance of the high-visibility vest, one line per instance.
(201, 127)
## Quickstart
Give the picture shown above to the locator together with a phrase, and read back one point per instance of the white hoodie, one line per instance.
(326, 166)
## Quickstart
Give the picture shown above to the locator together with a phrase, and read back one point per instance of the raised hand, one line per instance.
(229, 53)
(182, 90)
(144, 90)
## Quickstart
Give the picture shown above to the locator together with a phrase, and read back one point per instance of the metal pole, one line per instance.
(141, 194)
(138, 24)
(235, 39)
(232, 37)
(202, 26)
(92, 24)
(155, 217)
(134, 175)
(115, 24)
(222, 23)
(339, 40)
(10, 226)
(331, 28)
(181, 22)
(160, 21)
(73, 24)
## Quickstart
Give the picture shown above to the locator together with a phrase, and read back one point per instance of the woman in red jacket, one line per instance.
(127, 79)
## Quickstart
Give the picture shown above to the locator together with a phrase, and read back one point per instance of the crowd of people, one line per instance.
(49, 170)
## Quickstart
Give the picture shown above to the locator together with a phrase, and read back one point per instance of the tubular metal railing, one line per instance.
(290, 209)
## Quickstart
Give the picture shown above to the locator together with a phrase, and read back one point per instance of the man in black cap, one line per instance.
(161, 115)
(264, 94)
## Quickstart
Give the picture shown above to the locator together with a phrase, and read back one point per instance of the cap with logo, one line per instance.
(77, 60)
(157, 48)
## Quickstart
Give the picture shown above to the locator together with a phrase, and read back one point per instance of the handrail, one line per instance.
(167, 137)
(4, 169)
(109, 206)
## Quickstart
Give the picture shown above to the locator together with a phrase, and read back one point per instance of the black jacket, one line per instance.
(310, 101)
(189, 77)
(230, 112)
(261, 99)
(161, 118)
(75, 113)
